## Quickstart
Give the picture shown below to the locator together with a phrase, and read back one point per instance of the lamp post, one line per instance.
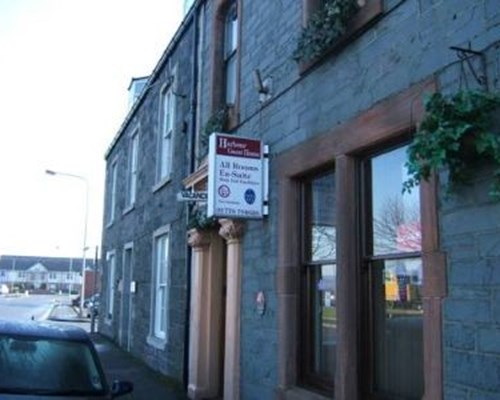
(84, 180)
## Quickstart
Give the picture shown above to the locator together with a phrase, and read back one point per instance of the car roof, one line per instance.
(43, 330)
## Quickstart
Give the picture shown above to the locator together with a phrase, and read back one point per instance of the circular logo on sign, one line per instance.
(224, 191)
(250, 196)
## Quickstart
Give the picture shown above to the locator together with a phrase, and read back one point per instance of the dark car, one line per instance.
(44, 361)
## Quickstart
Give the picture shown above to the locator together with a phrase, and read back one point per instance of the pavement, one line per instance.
(119, 364)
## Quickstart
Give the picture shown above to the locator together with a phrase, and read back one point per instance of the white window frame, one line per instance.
(231, 32)
(133, 164)
(113, 176)
(166, 132)
(110, 287)
(158, 336)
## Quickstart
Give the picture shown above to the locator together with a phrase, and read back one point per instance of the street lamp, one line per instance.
(84, 180)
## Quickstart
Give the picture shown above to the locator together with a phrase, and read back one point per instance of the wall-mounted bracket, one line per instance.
(465, 55)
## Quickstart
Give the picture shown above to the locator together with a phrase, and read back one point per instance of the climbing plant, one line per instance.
(455, 132)
(325, 26)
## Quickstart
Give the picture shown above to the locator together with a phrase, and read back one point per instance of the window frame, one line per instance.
(385, 122)
(370, 261)
(111, 289)
(160, 312)
(166, 132)
(219, 75)
(133, 168)
(309, 267)
(112, 185)
(367, 14)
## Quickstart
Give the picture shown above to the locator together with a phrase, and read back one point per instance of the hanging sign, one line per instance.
(188, 195)
(236, 177)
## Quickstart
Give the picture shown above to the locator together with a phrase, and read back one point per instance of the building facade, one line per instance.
(351, 288)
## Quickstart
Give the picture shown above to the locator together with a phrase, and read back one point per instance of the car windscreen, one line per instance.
(48, 366)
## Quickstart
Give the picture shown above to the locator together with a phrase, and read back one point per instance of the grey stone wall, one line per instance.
(470, 222)
(152, 210)
(410, 43)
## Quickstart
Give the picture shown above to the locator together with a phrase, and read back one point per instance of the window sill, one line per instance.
(157, 343)
(161, 183)
(368, 14)
(129, 208)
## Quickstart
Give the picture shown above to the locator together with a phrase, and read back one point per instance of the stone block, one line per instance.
(467, 311)
(489, 339)
(477, 371)
(459, 336)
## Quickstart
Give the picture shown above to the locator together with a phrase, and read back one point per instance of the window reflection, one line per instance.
(398, 326)
(396, 216)
(322, 230)
(325, 320)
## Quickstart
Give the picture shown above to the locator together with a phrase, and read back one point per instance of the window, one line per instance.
(165, 139)
(226, 60)
(113, 175)
(394, 278)
(318, 336)
(110, 290)
(390, 271)
(160, 284)
(132, 168)
(367, 11)
(230, 52)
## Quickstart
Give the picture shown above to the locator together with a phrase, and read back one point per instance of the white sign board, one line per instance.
(235, 177)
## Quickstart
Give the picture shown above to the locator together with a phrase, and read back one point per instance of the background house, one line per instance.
(47, 274)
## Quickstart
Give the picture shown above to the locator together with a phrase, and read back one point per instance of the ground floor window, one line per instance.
(361, 277)
(110, 290)
(160, 284)
(318, 335)
(392, 275)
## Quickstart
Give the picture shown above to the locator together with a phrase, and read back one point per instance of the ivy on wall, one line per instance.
(455, 133)
(216, 123)
(325, 26)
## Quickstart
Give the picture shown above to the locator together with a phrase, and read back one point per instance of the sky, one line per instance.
(65, 67)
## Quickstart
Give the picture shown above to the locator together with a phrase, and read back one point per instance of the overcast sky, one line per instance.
(65, 66)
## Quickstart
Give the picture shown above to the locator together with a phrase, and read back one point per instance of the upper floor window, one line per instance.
(132, 167)
(226, 59)
(230, 52)
(165, 139)
(330, 24)
(113, 175)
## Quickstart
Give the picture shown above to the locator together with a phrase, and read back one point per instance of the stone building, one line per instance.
(348, 288)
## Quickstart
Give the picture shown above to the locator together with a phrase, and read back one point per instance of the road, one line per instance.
(26, 307)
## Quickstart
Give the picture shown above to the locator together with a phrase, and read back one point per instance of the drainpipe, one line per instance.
(190, 170)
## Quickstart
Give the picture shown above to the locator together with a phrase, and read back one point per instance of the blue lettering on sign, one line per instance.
(250, 196)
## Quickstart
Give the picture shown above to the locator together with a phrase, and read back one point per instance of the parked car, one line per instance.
(44, 361)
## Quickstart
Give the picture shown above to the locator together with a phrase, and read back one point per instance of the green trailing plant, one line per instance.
(216, 123)
(456, 132)
(198, 219)
(325, 26)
